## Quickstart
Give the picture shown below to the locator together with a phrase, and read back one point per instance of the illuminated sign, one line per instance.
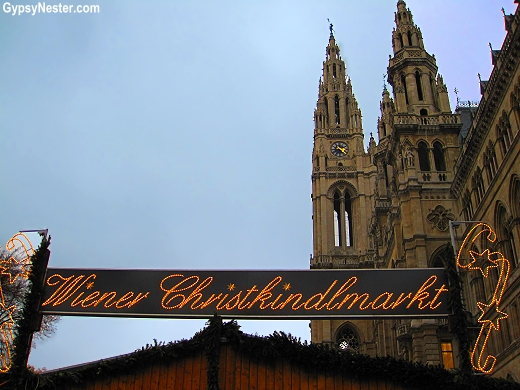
(13, 268)
(301, 294)
(490, 313)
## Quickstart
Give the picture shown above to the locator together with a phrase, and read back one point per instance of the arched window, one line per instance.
(507, 132)
(438, 260)
(337, 220)
(334, 70)
(467, 205)
(478, 185)
(433, 87)
(480, 182)
(327, 109)
(493, 157)
(403, 81)
(500, 140)
(401, 38)
(505, 242)
(515, 196)
(336, 108)
(343, 220)
(348, 221)
(419, 85)
(424, 158)
(490, 161)
(438, 156)
(348, 340)
(487, 166)
(423, 112)
(410, 39)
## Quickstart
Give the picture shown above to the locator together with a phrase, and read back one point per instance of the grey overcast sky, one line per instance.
(178, 134)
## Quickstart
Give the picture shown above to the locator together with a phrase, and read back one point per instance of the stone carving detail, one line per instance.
(409, 157)
(440, 218)
(321, 150)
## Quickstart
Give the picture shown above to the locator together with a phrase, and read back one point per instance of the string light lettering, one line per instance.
(182, 291)
(68, 290)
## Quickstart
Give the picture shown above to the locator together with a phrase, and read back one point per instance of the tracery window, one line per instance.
(348, 340)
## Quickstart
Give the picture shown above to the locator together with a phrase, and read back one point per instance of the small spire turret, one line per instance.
(406, 33)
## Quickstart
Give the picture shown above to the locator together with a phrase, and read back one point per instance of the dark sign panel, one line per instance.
(246, 294)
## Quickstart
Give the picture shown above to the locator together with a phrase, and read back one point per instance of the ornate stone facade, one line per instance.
(390, 207)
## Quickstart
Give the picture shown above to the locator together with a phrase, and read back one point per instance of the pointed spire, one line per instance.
(405, 33)
(337, 106)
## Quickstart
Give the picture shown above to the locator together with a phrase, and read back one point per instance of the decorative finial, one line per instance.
(490, 47)
(479, 78)
(384, 81)
(503, 11)
(457, 94)
(330, 26)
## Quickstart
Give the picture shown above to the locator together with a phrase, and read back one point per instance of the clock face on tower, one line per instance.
(339, 149)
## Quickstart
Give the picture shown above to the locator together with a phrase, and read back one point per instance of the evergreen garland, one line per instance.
(311, 357)
(18, 375)
(459, 320)
(211, 341)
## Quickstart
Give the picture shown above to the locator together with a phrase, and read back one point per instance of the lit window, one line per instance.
(447, 355)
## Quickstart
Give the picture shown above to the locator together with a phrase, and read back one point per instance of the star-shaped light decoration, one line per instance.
(287, 286)
(493, 323)
(90, 285)
(483, 261)
(231, 286)
(14, 269)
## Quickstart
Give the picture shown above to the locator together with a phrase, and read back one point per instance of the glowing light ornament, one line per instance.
(14, 269)
(490, 313)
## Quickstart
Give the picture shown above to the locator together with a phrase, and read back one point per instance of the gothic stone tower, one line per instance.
(343, 180)
(390, 207)
(413, 204)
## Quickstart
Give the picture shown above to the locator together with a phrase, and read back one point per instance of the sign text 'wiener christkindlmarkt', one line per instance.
(301, 294)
